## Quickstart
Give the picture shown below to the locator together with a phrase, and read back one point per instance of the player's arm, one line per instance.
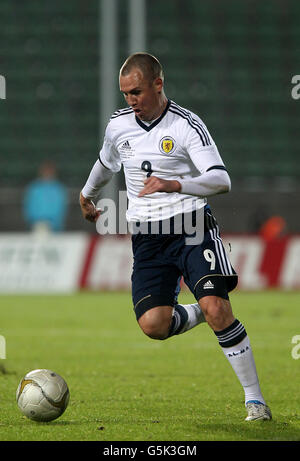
(212, 182)
(155, 184)
(107, 164)
(98, 177)
(213, 178)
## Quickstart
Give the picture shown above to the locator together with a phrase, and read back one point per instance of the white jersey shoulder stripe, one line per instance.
(120, 112)
(192, 122)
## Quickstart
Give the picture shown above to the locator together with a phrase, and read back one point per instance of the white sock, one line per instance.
(185, 317)
(236, 346)
(241, 359)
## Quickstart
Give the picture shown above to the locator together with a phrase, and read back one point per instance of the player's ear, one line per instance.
(158, 84)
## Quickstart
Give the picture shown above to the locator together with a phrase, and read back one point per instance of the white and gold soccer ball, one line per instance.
(42, 395)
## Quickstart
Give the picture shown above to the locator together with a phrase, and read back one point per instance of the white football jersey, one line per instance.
(175, 146)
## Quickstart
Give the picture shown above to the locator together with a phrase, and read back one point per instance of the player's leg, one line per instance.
(156, 321)
(155, 289)
(210, 276)
(185, 316)
(235, 344)
(153, 292)
(162, 322)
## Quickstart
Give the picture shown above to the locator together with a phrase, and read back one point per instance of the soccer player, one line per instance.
(171, 165)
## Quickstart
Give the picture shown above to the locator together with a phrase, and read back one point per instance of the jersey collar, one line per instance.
(149, 127)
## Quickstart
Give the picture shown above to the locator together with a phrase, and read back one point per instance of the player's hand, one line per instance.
(88, 209)
(154, 184)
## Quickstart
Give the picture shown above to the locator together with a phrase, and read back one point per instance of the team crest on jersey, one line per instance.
(167, 145)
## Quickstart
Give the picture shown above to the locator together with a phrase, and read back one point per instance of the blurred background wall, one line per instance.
(231, 62)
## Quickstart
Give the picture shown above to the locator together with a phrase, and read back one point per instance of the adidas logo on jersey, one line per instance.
(208, 285)
(126, 151)
(126, 145)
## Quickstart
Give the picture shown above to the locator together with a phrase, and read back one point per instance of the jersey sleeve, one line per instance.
(98, 177)
(201, 148)
(109, 156)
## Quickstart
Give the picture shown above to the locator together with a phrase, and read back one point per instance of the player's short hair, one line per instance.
(148, 64)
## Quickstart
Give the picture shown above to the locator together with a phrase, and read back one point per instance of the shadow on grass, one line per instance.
(63, 423)
(254, 431)
(59, 422)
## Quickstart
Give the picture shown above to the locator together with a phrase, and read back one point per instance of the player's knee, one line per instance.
(155, 332)
(155, 323)
(216, 310)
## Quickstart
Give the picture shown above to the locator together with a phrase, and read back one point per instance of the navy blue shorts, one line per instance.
(160, 261)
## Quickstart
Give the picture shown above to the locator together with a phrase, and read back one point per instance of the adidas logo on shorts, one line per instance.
(208, 285)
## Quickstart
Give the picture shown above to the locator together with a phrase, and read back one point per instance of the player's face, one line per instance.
(143, 96)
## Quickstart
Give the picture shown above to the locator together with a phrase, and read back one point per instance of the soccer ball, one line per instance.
(42, 395)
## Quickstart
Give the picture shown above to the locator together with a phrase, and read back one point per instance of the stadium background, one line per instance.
(231, 62)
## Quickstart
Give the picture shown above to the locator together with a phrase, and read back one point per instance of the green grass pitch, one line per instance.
(127, 387)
